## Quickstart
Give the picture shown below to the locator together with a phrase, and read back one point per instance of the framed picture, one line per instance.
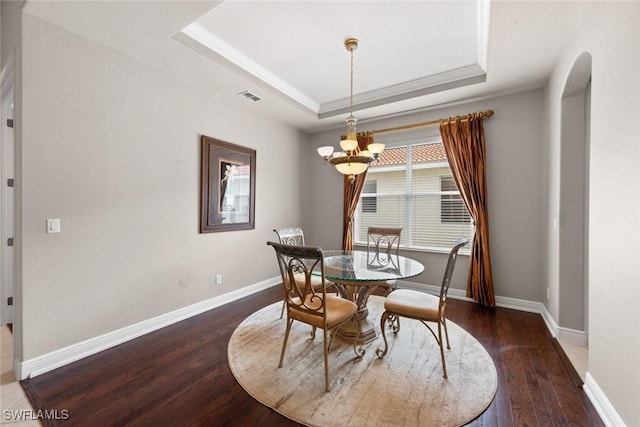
(227, 186)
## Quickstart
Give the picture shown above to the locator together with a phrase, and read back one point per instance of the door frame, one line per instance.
(7, 196)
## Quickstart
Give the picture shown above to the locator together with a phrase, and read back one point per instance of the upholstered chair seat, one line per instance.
(338, 310)
(413, 304)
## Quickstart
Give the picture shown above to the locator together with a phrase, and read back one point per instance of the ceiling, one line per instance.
(412, 55)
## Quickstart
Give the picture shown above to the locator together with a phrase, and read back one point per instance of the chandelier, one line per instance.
(352, 160)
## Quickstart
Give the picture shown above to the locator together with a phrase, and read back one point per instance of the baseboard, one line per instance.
(607, 412)
(55, 359)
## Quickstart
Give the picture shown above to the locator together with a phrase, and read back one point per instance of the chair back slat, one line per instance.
(448, 272)
(383, 240)
(297, 268)
(290, 236)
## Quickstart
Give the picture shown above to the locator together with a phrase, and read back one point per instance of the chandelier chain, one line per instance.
(351, 84)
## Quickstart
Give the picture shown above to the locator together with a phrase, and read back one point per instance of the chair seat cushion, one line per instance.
(338, 310)
(409, 303)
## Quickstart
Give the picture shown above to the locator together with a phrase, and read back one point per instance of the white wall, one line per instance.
(112, 148)
(514, 174)
(610, 32)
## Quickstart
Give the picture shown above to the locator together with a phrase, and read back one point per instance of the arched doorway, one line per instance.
(574, 203)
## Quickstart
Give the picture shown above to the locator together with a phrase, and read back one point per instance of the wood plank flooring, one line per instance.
(179, 376)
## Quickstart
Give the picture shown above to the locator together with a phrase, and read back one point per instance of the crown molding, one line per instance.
(208, 44)
(463, 76)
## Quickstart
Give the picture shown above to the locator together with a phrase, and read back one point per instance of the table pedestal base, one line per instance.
(350, 333)
(364, 331)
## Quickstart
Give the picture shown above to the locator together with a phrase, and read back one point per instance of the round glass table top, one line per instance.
(360, 266)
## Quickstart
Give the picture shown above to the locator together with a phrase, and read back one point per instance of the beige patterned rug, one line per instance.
(405, 388)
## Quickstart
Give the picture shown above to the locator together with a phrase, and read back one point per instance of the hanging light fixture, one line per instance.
(351, 161)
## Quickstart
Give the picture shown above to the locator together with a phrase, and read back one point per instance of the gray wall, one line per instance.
(112, 147)
(514, 174)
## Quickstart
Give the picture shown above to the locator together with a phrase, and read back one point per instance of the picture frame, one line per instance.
(227, 186)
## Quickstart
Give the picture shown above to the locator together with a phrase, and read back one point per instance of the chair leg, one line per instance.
(326, 361)
(396, 323)
(446, 332)
(284, 344)
(441, 344)
(383, 319)
(284, 303)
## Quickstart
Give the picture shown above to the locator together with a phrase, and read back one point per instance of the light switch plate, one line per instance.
(53, 225)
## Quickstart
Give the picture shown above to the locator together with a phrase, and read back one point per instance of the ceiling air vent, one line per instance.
(250, 95)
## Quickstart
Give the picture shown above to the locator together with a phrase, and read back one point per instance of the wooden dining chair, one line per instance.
(422, 307)
(383, 243)
(307, 304)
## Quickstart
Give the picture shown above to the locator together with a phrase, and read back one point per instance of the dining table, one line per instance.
(356, 274)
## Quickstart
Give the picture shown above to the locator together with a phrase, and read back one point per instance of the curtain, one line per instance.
(464, 144)
(352, 192)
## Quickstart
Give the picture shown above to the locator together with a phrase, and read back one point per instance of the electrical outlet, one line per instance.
(218, 279)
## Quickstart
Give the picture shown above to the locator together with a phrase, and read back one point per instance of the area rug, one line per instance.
(405, 388)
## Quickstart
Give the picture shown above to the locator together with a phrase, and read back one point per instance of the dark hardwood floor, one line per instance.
(179, 375)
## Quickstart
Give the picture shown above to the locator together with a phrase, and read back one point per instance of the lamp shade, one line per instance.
(325, 151)
(348, 144)
(376, 147)
(351, 168)
(351, 165)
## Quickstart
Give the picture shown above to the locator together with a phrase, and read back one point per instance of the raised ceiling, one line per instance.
(406, 49)
(413, 55)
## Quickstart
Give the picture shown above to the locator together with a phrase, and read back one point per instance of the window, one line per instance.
(452, 207)
(411, 186)
(369, 204)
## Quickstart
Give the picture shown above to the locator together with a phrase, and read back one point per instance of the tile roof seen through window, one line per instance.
(421, 154)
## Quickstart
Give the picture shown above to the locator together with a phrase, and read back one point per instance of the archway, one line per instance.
(574, 202)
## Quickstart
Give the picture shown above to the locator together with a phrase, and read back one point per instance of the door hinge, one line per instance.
(10, 241)
(10, 123)
(10, 182)
(10, 301)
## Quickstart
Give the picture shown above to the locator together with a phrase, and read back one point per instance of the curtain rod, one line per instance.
(487, 113)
